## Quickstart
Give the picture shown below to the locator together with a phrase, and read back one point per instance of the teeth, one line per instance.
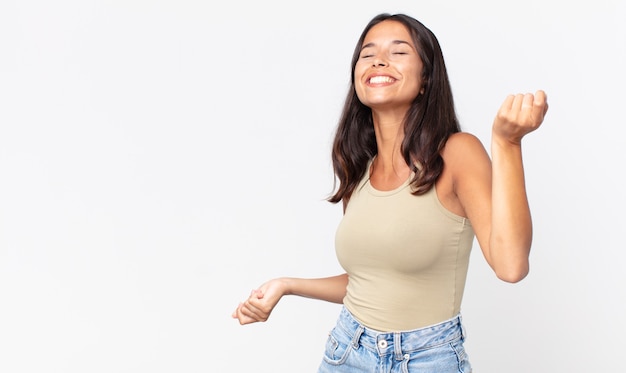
(381, 79)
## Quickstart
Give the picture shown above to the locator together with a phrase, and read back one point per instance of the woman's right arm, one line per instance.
(262, 301)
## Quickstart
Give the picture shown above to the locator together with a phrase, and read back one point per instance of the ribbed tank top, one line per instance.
(406, 257)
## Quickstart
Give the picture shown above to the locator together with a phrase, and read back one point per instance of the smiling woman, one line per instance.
(388, 71)
(416, 191)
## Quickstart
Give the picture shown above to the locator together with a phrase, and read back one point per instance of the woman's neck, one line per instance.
(389, 168)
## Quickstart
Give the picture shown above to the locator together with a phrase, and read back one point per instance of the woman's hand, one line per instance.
(260, 303)
(519, 115)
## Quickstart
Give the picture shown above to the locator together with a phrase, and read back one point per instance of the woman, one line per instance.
(415, 191)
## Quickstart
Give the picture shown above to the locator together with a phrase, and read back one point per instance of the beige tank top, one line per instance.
(406, 257)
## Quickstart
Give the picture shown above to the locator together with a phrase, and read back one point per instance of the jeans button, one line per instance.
(382, 343)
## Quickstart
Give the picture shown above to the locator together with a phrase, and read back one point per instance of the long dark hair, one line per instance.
(429, 122)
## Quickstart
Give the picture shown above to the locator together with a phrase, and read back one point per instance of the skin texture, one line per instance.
(491, 194)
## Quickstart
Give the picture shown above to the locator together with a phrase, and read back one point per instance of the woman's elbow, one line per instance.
(509, 261)
(513, 275)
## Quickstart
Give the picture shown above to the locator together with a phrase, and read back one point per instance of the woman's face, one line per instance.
(388, 72)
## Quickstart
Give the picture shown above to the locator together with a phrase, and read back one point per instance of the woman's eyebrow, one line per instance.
(369, 45)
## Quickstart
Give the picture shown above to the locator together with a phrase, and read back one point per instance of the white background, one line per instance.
(159, 159)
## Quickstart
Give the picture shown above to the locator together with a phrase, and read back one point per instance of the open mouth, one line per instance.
(381, 79)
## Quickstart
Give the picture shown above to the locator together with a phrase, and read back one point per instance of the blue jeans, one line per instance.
(352, 348)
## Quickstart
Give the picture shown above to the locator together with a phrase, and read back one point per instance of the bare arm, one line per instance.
(493, 194)
(262, 301)
(511, 232)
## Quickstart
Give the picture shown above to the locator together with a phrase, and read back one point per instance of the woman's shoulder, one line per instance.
(462, 144)
(464, 155)
(464, 159)
(462, 137)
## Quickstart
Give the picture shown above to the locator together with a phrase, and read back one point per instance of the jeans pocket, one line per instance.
(336, 352)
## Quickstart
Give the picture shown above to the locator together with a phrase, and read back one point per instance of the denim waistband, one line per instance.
(401, 342)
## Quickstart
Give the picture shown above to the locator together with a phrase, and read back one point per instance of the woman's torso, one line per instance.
(406, 257)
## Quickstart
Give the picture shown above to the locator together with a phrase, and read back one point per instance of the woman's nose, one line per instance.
(379, 62)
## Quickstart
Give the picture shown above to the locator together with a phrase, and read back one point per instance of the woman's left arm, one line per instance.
(493, 192)
(511, 223)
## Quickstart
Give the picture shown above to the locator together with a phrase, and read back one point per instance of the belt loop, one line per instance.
(357, 336)
(397, 346)
(463, 332)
